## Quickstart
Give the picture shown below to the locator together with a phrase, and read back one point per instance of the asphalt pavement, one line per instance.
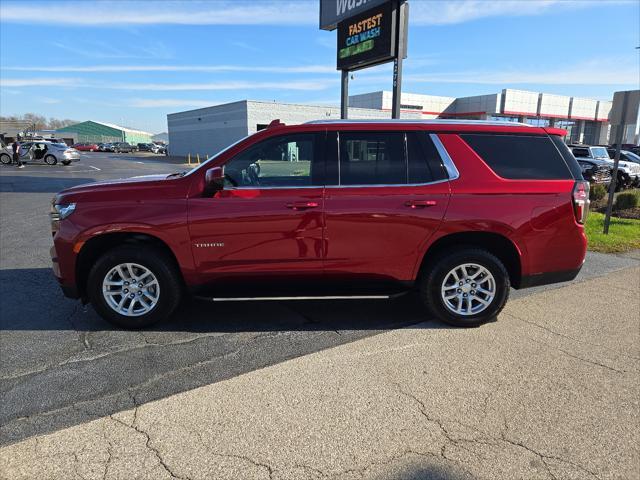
(61, 365)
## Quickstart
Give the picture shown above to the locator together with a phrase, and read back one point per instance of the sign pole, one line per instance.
(397, 62)
(616, 161)
(344, 95)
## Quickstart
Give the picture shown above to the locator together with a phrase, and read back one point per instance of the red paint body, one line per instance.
(86, 147)
(332, 232)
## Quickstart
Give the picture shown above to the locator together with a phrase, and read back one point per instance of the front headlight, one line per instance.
(62, 211)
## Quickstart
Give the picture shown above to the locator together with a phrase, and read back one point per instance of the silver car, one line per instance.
(41, 151)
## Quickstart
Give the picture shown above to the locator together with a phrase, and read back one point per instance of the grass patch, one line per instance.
(624, 234)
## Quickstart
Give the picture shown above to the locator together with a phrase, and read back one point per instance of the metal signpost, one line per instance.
(616, 161)
(369, 33)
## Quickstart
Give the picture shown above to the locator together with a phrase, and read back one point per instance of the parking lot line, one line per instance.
(95, 168)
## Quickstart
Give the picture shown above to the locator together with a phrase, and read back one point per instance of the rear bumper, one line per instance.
(548, 277)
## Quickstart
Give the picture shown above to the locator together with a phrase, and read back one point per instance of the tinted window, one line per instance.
(425, 164)
(372, 158)
(568, 157)
(519, 156)
(284, 161)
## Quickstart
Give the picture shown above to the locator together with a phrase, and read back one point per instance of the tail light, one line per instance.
(581, 201)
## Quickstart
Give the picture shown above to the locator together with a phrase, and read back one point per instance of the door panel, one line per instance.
(253, 231)
(391, 195)
(269, 218)
(381, 231)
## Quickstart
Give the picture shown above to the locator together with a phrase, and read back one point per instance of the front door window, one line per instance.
(285, 161)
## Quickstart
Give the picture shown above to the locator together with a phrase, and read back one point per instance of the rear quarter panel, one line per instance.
(536, 215)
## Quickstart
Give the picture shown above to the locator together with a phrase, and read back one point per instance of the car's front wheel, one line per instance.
(465, 287)
(5, 159)
(50, 160)
(134, 287)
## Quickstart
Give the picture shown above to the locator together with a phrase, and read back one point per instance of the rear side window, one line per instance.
(370, 158)
(520, 156)
(384, 158)
(568, 157)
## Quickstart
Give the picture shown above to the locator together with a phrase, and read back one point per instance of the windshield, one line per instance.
(600, 152)
(216, 156)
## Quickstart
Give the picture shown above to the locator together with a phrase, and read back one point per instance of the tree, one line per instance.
(39, 122)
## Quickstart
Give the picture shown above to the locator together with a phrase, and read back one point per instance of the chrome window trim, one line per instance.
(275, 188)
(378, 185)
(449, 166)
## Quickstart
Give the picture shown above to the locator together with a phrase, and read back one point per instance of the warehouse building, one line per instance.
(205, 131)
(101, 132)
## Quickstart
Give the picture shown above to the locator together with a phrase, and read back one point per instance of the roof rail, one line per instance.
(427, 122)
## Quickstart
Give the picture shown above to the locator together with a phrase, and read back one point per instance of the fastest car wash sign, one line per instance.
(367, 39)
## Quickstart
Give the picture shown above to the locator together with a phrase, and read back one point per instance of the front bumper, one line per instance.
(69, 290)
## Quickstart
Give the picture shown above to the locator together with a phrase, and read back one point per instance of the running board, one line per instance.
(281, 299)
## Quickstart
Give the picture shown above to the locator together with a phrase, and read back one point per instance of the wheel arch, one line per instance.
(496, 244)
(96, 246)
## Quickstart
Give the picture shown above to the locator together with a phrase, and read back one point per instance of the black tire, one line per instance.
(66, 163)
(5, 159)
(152, 259)
(50, 160)
(432, 280)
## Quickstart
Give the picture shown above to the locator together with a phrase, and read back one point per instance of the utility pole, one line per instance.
(616, 161)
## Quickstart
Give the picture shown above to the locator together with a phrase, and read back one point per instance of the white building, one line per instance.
(205, 131)
(208, 130)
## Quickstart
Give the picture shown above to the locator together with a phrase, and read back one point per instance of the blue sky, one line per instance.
(132, 63)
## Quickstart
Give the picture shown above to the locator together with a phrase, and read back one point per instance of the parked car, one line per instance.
(630, 158)
(6, 154)
(48, 152)
(628, 173)
(148, 147)
(86, 147)
(595, 171)
(121, 147)
(459, 211)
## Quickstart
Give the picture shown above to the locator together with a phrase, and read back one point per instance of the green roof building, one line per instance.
(101, 132)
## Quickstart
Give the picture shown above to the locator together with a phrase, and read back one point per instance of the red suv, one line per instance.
(459, 211)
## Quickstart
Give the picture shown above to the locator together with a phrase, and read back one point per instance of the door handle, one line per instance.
(420, 203)
(302, 205)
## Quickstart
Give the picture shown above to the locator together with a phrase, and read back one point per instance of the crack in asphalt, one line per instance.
(544, 458)
(148, 443)
(582, 359)
(73, 360)
(577, 340)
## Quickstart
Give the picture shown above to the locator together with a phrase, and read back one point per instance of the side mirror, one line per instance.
(214, 179)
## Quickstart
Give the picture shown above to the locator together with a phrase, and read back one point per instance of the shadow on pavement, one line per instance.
(37, 303)
(29, 184)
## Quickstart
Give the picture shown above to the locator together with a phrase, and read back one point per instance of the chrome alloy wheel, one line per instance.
(468, 289)
(131, 289)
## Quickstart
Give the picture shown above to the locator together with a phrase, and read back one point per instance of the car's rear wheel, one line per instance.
(66, 163)
(50, 160)
(465, 287)
(134, 287)
(5, 159)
